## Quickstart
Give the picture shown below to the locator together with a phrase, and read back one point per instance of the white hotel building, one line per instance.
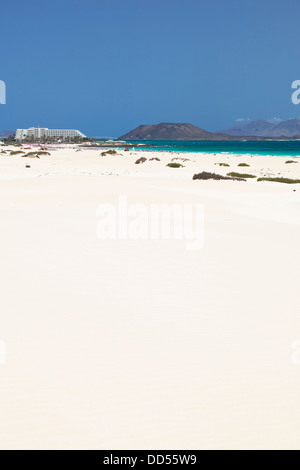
(40, 132)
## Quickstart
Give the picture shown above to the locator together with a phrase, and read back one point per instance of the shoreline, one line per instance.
(90, 161)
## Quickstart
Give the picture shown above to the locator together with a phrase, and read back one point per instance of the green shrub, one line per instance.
(175, 165)
(280, 180)
(109, 152)
(222, 164)
(213, 176)
(181, 159)
(291, 161)
(16, 152)
(243, 164)
(234, 174)
(141, 160)
(42, 152)
(31, 155)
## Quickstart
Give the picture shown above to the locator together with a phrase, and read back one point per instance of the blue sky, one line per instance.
(107, 66)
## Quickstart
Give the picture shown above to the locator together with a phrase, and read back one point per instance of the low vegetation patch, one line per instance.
(181, 159)
(280, 180)
(222, 164)
(42, 152)
(31, 155)
(214, 176)
(175, 165)
(243, 164)
(109, 152)
(291, 161)
(16, 152)
(141, 160)
(155, 158)
(234, 174)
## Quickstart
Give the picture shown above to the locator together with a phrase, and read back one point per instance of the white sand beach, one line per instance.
(128, 344)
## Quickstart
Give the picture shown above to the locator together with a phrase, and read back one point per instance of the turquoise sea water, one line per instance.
(276, 148)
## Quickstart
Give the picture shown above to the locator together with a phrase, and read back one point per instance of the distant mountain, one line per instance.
(262, 128)
(257, 128)
(4, 134)
(167, 131)
(288, 128)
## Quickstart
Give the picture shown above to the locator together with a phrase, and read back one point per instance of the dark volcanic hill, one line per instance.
(257, 128)
(168, 131)
(4, 134)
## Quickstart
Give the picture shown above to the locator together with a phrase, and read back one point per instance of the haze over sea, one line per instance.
(277, 148)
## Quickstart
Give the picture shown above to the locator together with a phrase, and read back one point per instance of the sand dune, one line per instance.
(142, 344)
